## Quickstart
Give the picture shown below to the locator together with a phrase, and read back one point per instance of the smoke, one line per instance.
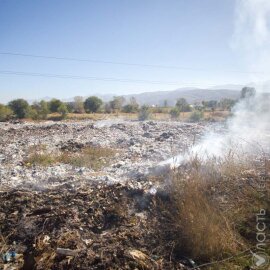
(247, 133)
(248, 130)
(251, 37)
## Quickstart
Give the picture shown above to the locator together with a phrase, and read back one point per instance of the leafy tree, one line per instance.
(226, 103)
(92, 104)
(70, 106)
(247, 92)
(32, 113)
(174, 112)
(41, 108)
(117, 103)
(54, 104)
(62, 109)
(5, 113)
(20, 107)
(144, 113)
(183, 105)
(132, 107)
(78, 105)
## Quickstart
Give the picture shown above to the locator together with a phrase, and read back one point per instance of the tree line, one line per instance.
(20, 108)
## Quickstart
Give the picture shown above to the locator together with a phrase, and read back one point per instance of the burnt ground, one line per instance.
(101, 226)
(65, 216)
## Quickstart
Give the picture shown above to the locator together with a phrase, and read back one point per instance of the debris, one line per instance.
(67, 251)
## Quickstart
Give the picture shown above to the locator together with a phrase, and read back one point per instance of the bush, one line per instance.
(42, 110)
(63, 110)
(92, 104)
(54, 104)
(174, 112)
(20, 107)
(5, 113)
(32, 113)
(144, 113)
(196, 116)
(129, 108)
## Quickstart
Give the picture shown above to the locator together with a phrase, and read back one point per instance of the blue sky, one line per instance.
(195, 34)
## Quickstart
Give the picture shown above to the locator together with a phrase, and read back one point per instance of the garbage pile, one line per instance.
(95, 226)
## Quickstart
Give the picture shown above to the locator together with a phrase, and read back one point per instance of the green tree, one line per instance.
(183, 105)
(42, 109)
(32, 113)
(92, 104)
(62, 109)
(5, 113)
(20, 107)
(54, 104)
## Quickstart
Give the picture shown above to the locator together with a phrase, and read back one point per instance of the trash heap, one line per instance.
(95, 226)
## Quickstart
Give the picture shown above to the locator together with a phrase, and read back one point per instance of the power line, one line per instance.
(123, 63)
(62, 76)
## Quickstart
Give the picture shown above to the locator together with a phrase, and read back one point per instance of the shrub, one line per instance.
(63, 110)
(5, 113)
(174, 112)
(92, 104)
(129, 108)
(54, 104)
(183, 105)
(32, 113)
(39, 110)
(196, 116)
(20, 107)
(144, 113)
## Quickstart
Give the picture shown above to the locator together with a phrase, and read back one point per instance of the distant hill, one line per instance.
(191, 95)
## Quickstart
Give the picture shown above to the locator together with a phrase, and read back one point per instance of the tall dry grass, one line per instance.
(211, 213)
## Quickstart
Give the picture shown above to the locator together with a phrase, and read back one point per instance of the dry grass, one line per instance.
(92, 157)
(211, 214)
(159, 116)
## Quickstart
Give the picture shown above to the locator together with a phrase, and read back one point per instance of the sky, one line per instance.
(176, 43)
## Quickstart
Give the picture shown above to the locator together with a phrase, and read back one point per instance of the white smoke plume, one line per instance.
(248, 130)
(247, 133)
(251, 37)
